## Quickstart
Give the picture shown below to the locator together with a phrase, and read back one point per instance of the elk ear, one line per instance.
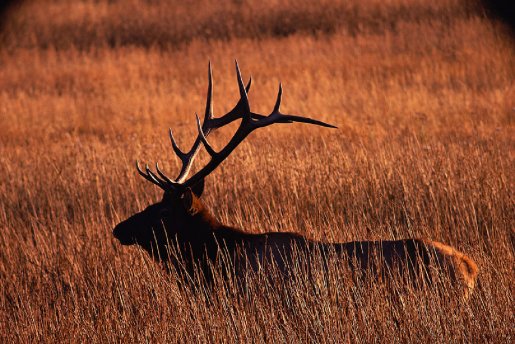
(198, 188)
(188, 201)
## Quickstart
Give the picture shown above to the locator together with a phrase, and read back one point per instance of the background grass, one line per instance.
(422, 93)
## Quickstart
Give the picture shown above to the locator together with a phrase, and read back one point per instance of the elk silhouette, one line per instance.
(182, 224)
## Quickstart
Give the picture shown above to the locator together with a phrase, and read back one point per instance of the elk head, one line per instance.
(180, 217)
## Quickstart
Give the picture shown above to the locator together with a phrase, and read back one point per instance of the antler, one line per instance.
(249, 122)
(187, 159)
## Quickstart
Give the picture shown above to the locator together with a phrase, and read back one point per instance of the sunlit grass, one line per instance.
(424, 149)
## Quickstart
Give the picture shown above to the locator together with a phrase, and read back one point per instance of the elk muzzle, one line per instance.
(123, 234)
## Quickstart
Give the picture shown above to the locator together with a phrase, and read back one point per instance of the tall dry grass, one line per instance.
(87, 24)
(424, 105)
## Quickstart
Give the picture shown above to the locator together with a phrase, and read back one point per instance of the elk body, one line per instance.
(182, 233)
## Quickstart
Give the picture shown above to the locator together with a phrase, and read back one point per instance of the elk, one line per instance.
(181, 220)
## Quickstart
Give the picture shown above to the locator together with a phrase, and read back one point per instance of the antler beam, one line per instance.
(249, 122)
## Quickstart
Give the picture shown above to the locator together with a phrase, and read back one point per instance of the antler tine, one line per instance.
(176, 148)
(188, 158)
(165, 178)
(277, 117)
(247, 88)
(203, 138)
(149, 177)
(243, 94)
(187, 161)
(209, 101)
(154, 177)
(279, 99)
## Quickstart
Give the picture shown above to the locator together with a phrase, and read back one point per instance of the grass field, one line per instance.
(423, 96)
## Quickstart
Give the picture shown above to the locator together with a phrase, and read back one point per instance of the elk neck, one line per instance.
(208, 235)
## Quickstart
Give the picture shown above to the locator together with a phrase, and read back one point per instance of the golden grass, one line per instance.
(424, 104)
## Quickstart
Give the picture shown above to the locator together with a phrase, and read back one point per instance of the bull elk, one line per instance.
(182, 220)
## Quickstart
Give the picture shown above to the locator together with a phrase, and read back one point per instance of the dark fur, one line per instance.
(181, 226)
